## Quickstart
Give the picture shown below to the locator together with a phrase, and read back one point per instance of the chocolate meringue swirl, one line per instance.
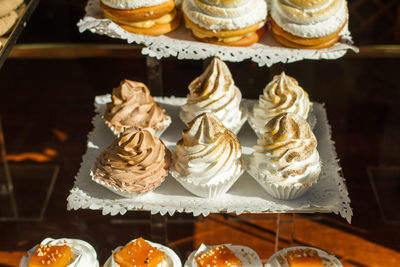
(214, 91)
(208, 153)
(136, 162)
(282, 94)
(287, 152)
(133, 106)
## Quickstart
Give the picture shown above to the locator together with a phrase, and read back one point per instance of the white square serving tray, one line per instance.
(246, 196)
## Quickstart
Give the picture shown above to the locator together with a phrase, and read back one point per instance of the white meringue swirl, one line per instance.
(225, 15)
(129, 4)
(214, 91)
(312, 20)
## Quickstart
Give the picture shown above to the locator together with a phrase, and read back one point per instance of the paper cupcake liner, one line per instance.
(279, 258)
(283, 192)
(173, 258)
(158, 133)
(117, 190)
(311, 119)
(247, 256)
(208, 191)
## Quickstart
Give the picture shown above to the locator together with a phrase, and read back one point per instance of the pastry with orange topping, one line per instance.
(61, 253)
(142, 253)
(225, 255)
(149, 17)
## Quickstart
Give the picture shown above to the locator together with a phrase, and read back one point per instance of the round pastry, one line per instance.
(61, 252)
(285, 162)
(143, 253)
(230, 22)
(7, 21)
(308, 23)
(135, 163)
(215, 91)
(223, 256)
(133, 106)
(149, 17)
(6, 6)
(283, 94)
(302, 257)
(207, 160)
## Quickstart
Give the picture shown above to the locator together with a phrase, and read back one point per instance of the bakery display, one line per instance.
(60, 253)
(143, 253)
(149, 17)
(133, 106)
(307, 23)
(223, 256)
(226, 22)
(8, 14)
(302, 257)
(215, 91)
(135, 163)
(283, 94)
(207, 161)
(285, 161)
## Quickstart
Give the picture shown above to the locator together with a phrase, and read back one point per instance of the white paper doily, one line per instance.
(182, 45)
(246, 196)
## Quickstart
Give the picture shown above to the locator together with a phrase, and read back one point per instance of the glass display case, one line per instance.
(50, 80)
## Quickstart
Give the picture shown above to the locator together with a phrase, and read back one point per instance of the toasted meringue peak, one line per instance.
(129, 4)
(214, 91)
(282, 94)
(287, 152)
(309, 18)
(136, 162)
(219, 15)
(133, 106)
(208, 152)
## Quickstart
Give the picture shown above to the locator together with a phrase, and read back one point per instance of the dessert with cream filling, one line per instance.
(142, 253)
(135, 163)
(149, 17)
(226, 22)
(311, 24)
(207, 161)
(61, 253)
(133, 106)
(285, 161)
(225, 255)
(215, 91)
(282, 94)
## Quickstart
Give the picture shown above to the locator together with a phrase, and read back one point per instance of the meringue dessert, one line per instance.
(133, 106)
(135, 163)
(215, 91)
(282, 94)
(226, 22)
(207, 160)
(149, 17)
(308, 23)
(142, 253)
(225, 255)
(61, 253)
(302, 257)
(285, 161)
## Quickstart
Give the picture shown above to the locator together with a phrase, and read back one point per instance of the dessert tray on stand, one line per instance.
(246, 196)
(181, 44)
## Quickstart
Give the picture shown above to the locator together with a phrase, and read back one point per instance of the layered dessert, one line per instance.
(225, 255)
(283, 94)
(215, 91)
(133, 106)
(135, 163)
(142, 253)
(149, 17)
(62, 252)
(285, 161)
(207, 161)
(226, 22)
(308, 24)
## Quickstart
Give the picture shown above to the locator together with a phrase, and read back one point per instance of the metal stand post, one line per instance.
(154, 76)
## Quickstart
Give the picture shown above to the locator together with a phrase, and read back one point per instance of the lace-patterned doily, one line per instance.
(246, 196)
(182, 45)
